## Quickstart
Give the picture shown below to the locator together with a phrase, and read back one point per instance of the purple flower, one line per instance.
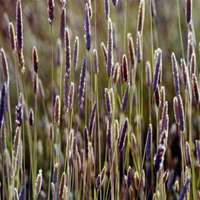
(19, 26)
(159, 157)
(51, 5)
(115, 2)
(125, 99)
(108, 102)
(19, 112)
(148, 143)
(122, 136)
(107, 8)
(170, 179)
(92, 119)
(110, 48)
(87, 27)
(67, 53)
(181, 113)
(62, 24)
(184, 189)
(157, 69)
(175, 74)
(82, 83)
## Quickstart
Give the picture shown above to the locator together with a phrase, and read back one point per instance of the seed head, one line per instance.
(12, 36)
(110, 48)
(87, 27)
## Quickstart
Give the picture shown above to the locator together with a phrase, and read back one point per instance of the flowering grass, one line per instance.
(99, 100)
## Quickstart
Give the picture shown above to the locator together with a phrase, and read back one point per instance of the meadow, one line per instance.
(99, 99)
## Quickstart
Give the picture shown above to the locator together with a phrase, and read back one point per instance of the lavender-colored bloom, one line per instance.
(19, 26)
(163, 138)
(148, 143)
(109, 65)
(19, 112)
(157, 68)
(35, 59)
(189, 11)
(62, 24)
(141, 13)
(195, 88)
(56, 110)
(181, 113)
(157, 96)
(67, 53)
(76, 52)
(131, 49)
(82, 81)
(125, 68)
(175, 74)
(130, 175)
(164, 122)
(31, 117)
(22, 194)
(185, 189)
(90, 7)
(51, 5)
(107, 8)
(108, 102)
(162, 98)
(139, 53)
(2, 104)
(159, 157)
(86, 143)
(170, 179)
(70, 98)
(160, 154)
(190, 48)
(92, 119)
(87, 27)
(186, 78)
(122, 136)
(125, 98)
(176, 111)
(12, 36)
(115, 2)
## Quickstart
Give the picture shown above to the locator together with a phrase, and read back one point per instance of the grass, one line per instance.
(124, 124)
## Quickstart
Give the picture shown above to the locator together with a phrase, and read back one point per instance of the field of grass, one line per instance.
(99, 99)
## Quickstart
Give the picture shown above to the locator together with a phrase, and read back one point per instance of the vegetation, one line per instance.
(99, 99)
